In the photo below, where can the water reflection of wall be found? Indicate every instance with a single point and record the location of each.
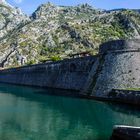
(24, 113)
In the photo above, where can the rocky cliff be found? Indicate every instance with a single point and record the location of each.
(57, 31)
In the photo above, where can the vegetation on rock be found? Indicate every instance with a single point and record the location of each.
(53, 32)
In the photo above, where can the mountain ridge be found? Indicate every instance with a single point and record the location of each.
(54, 32)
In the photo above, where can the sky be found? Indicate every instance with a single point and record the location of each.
(29, 6)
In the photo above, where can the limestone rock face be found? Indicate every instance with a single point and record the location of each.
(10, 18)
(58, 31)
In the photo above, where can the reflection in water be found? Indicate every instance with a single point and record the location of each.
(27, 115)
(125, 109)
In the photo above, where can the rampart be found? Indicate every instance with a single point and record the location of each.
(68, 74)
(117, 67)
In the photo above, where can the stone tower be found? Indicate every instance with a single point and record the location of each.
(117, 67)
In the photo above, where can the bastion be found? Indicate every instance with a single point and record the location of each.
(117, 67)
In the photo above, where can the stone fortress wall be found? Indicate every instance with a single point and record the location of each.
(68, 74)
(116, 67)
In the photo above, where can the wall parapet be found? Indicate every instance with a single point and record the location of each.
(120, 45)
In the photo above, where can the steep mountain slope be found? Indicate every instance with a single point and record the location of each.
(10, 17)
(54, 32)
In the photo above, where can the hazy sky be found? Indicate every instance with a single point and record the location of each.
(28, 6)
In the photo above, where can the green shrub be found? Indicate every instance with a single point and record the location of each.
(43, 59)
(55, 58)
(31, 62)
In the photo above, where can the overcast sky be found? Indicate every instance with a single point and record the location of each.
(28, 6)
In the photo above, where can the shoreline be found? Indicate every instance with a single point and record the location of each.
(76, 94)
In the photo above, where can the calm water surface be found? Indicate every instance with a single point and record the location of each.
(25, 114)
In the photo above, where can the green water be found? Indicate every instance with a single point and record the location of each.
(28, 114)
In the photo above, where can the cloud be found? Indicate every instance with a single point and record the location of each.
(18, 1)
